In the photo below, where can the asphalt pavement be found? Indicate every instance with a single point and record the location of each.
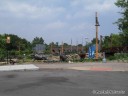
(63, 82)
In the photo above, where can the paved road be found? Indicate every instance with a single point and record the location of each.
(51, 82)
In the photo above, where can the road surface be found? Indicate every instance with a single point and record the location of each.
(64, 82)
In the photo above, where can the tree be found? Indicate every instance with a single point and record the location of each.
(106, 42)
(112, 41)
(123, 22)
(93, 41)
(115, 40)
(17, 46)
(2, 42)
(65, 45)
(37, 40)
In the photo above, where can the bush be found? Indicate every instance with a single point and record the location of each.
(121, 56)
(111, 58)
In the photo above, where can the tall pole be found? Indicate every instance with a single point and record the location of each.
(86, 44)
(8, 42)
(51, 48)
(97, 24)
(62, 48)
(82, 45)
(19, 48)
(101, 42)
(71, 46)
(77, 46)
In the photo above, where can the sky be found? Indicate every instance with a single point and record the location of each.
(58, 20)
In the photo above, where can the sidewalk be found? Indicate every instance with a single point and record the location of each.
(86, 66)
(95, 66)
(18, 67)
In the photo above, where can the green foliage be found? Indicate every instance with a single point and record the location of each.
(123, 22)
(2, 42)
(114, 40)
(16, 46)
(94, 41)
(119, 56)
(2, 55)
(48, 49)
(111, 58)
(37, 40)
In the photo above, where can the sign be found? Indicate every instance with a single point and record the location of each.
(8, 40)
(39, 48)
(92, 50)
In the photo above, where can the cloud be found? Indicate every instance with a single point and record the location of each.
(80, 9)
(107, 5)
(54, 26)
(19, 9)
(80, 27)
(56, 20)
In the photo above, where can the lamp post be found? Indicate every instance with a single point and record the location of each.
(8, 42)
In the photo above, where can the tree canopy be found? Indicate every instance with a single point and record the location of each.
(123, 22)
(37, 40)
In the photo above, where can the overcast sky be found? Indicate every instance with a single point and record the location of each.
(58, 20)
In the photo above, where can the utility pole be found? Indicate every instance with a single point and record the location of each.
(51, 48)
(97, 24)
(82, 45)
(71, 46)
(77, 46)
(101, 37)
(62, 48)
(86, 44)
(19, 48)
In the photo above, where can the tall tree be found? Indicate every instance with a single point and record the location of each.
(93, 41)
(123, 22)
(37, 40)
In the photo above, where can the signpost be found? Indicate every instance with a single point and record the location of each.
(8, 42)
